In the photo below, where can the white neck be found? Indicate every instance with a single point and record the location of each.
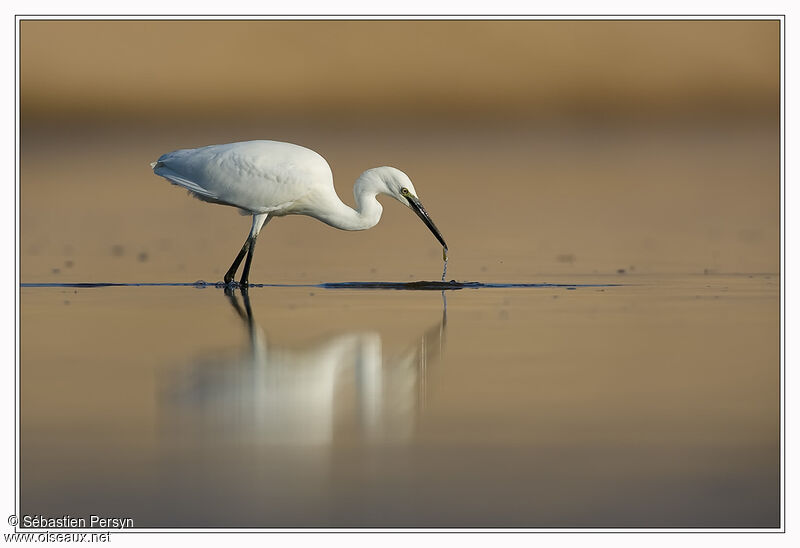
(367, 212)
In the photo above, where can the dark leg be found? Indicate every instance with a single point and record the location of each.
(243, 283)
(259, 220)
(237, 261)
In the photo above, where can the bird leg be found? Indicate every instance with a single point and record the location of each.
(259, 220)
(243, 283)
(237, 261)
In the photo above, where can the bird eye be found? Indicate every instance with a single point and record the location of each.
(404, 191)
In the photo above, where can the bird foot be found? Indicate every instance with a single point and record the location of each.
(244, 285)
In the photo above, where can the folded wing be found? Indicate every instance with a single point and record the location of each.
(255, 176)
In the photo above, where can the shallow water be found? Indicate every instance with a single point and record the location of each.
(587, 401)
(582, 370)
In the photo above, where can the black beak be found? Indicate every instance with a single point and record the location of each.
(419, 210)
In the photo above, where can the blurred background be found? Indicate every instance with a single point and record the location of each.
(540, 148)
(636, 160)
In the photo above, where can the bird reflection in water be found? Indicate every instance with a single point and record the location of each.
(275, 394)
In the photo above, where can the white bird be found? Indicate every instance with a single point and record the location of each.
(268, 179)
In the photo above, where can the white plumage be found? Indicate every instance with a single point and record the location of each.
(270, 178)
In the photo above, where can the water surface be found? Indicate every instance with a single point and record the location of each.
(649, 403)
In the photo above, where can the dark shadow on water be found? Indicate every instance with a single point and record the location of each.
(452, 285)
(444, 286)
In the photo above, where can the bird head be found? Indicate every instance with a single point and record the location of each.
(393, 182)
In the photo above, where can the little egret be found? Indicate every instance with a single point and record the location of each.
(268, 179)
